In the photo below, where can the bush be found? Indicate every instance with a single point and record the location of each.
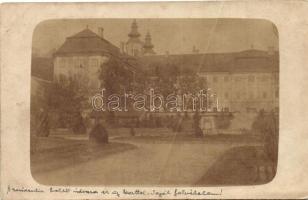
(78, 125)
(223, 121)
(98, 134)
(132, 131)
(42, 129)
(198, 132)
(266, 125)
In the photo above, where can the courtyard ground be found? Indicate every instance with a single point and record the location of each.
(173, 160)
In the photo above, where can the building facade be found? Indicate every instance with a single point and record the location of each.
(243, 91)
(82, 57)
(240, 81)
(237, 81)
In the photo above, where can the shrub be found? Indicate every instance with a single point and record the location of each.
(266, 125)
(223, 121)
(98, 134)
(78, 126)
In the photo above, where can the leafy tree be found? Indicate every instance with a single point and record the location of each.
(116, 79)
(66, 100)
(266, 125)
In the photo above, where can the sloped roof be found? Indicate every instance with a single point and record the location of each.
(245, 61)
(87, 41)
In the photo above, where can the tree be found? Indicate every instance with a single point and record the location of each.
(116, 79)
(65, 99)
(266, 125)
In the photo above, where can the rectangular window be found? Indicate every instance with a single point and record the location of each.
(215, 79)
(251, 95)
(84, 62)
(264, 95)
(251, 78)
(93, 62)
(76, 62)
(238, 95)
(237, 78)
(70, 61)
(62, 62)
(226, 95)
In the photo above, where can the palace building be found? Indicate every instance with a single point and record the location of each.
(82, 56)
(237, 81)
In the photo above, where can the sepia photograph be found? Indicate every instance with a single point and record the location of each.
(154, 100)
(164, 102)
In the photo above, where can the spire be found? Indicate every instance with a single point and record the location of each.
(134, 30)
(148, 41)
(148, 46)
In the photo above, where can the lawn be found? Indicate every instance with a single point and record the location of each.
(55, 153)
(238, 166)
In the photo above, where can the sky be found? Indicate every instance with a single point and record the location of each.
(177, 36)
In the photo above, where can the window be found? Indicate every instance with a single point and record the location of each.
(251, 78)
(62, 62)
(243, 95)
(93, 62)
(226, 95)
(76, 62)
(251, 95)
(215, 79)
(264, 95)
(264, 78)
(84, 62)
(70, 61)
(238, 95)
(237, 78)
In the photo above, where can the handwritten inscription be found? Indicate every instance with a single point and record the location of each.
(161, 193)
(23, 189)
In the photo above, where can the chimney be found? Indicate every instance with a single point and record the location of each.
(122, 47)
(101, 32)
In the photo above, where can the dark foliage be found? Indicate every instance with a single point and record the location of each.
(223, 121)
(98, 134)
(42, 129)
(78, 125)
(65, 99)
(266, 125)
(197, 130)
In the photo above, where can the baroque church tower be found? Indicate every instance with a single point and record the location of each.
(134, 45)
(148, 46)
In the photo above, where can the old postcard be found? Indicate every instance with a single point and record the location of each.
(153, 100)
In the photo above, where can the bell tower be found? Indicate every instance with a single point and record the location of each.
(134, 45)
(148, 46)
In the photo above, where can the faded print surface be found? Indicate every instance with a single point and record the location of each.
(187, 102)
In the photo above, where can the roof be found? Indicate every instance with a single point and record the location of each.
(87, 41)
(244, 61)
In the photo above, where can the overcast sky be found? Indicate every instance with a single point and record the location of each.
(174, 35)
